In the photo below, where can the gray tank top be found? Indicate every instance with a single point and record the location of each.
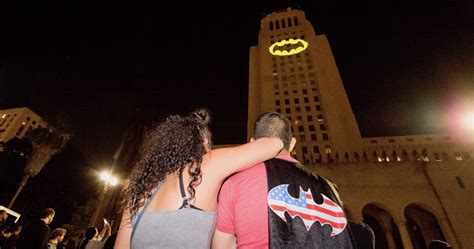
(187, 227)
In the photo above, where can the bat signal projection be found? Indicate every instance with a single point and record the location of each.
(288, 47)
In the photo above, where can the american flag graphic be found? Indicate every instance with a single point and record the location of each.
(280, 201)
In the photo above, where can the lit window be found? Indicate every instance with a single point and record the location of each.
(275, 73)
(320, 118)
(458, 156)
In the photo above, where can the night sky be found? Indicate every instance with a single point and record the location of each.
(109, 65)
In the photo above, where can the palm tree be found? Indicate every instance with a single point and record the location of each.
(46, 142)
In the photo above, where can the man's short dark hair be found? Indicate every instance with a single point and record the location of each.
(47, 212)
(273, 124)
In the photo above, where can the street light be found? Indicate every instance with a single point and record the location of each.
(107, 179)
(468, 121)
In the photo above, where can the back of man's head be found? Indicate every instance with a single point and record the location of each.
(46, 213)
(273, 124)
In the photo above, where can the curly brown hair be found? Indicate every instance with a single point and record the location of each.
(169, 147)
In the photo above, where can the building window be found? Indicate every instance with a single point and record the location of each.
(320, 118)
(287, 110)
(287, 101)
(278, 110)
(311, 128)
(277, 24)
(302, 138)
(312, 82)
(277, 102)
(316, 99)
(315, 149)
(458, 156)
(297, 101)
(322, 127)
(290, 24)
(300, 128)
(307, 108)
(466, 155)
(328, 149)
(306, 100)
(305, 91)
(313, 137)
(285, 93)
(295, 20)
(271, 25)
(325, 136)
(283, 23)
(391, 140)
(304, 149)
(298, 109)
(310, 118)
(437, 157)
(318, 108)
(460, 182)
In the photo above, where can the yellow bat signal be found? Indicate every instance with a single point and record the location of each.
(292, 51)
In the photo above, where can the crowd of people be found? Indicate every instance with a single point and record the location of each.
(38, 235)
(183, 194)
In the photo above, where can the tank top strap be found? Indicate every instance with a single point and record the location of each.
(145, 207)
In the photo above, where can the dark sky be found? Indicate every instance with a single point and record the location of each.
(405, 64)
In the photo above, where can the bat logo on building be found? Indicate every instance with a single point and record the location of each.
(328, 212)
(288, 47)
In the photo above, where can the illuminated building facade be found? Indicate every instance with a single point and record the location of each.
(409, 189)
(18, 122)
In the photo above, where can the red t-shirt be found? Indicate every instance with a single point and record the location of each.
(243, 208)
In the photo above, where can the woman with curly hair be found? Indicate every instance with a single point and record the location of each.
(172, 194)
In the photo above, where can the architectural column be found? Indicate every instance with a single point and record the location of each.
(448, 233)
(402, 228)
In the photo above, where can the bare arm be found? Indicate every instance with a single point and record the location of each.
(226, 161)
(125, 231)
(223, 240)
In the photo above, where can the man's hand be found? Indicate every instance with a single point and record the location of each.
(223, 241)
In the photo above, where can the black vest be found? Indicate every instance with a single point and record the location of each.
(303, 211)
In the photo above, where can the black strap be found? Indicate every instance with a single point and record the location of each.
(183, 193)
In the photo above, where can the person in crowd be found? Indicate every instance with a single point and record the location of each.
(13, 235)
(93, 239)
(172, 193)
(110, 242)
(3, 225)
(279, 203)
(36, 235)
(56, 237)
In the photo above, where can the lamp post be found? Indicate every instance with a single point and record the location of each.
(107, 179)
